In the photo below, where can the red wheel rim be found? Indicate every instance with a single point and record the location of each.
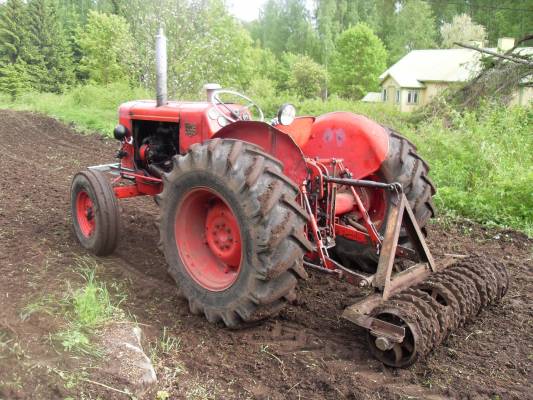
(375, 201)
(208, 239)
(85, 213)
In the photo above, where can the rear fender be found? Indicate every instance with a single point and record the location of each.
(272, 141)
(362, 143)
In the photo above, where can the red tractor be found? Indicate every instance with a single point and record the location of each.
(247, 207)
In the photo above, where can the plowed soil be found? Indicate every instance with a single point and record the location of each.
(307, 352)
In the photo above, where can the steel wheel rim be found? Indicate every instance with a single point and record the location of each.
(85, 213)
(208, 239)
(400, 354)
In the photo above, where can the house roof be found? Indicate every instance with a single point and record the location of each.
(438, 65)
(444, 65)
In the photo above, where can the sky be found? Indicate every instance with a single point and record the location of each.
(248, 10)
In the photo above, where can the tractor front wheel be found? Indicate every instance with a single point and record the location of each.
(95, 212)
(232, 232)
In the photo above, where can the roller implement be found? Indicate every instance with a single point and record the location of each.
(248, 207)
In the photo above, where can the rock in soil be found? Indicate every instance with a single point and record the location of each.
(126, 359)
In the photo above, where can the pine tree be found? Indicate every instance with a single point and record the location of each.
(12, 31)
(13, 46)
(50, 50)
(14, 79)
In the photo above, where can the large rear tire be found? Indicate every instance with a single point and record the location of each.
(232, 232)
(405, 166)
(95, 212)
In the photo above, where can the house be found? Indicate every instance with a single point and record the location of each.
(422, 74)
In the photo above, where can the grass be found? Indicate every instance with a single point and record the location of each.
(89, 108)
(482, 161)
(86, 309)
(165, 345)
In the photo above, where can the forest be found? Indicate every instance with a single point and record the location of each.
(336, 47)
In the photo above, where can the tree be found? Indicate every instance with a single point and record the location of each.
(216, 52)
(49, 47)
(107, 48)
(499, 17)
(461, 29)
(414, 28)
(12, 31)
(359, 59)
(307, 79)
(14, 79)
(285, 26)
(335, 16)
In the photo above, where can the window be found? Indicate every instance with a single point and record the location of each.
(412, 97)
(398, 96)
(384, 95)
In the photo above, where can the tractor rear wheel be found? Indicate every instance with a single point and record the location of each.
(95, 212)
(232, 232)
(402, 165)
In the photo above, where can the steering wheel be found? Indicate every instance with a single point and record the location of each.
(234, 115)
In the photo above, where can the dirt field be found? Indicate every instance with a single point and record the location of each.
(307, 352)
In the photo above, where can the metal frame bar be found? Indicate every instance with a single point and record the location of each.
(384, 282)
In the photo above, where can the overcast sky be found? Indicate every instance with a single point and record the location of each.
(248, 10)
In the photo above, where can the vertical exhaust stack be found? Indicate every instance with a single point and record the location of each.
(161, 68)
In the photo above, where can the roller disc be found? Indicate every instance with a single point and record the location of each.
(451, 285)
(490, 279)
(481, 285)
(470, 287)
(440, 312)
(426, 311)
(502, 279)
(425, 343)
(403, 354)
(505, 275)
(443, 296)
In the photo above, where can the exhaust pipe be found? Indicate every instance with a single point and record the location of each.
(161, 68)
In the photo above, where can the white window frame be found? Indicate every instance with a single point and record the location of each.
(398, 96)
(413, 96)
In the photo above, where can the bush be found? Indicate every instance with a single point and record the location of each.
(308, 78)
(483, 164)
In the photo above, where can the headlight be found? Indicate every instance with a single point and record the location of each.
(286, 114)
(222, 121)
(120, 132)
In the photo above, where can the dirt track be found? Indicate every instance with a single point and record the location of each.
(307, 352)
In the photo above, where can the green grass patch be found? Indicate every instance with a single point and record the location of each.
(85, 308)
(90, 108)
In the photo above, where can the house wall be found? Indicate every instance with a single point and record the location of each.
(433, 89)
(523, 96)
(405, 106)
(392, 86)
(425, 94)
